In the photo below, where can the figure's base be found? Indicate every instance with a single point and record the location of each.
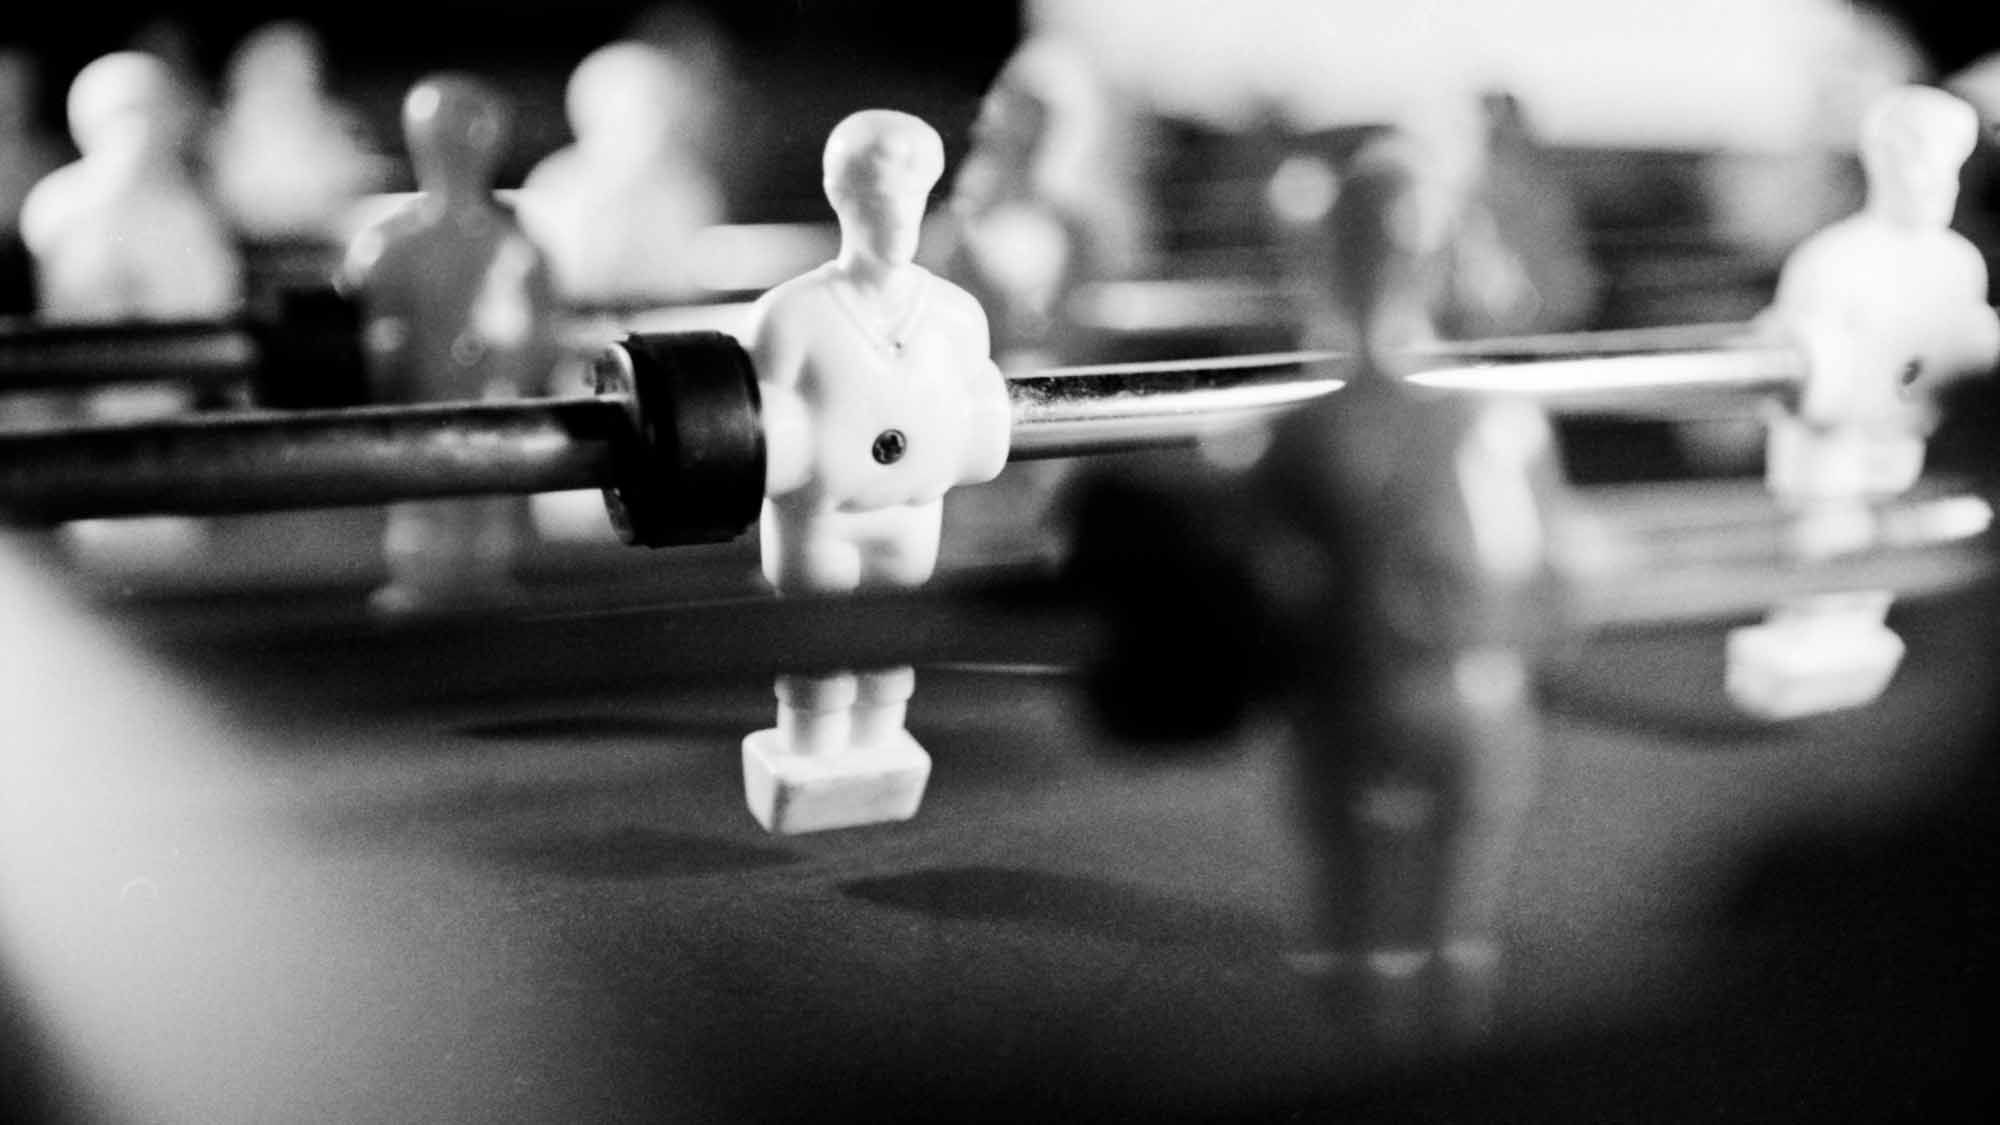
(794, 793)
(1789, 670)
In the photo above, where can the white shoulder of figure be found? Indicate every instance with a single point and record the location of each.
(552, 176)
(780, 325)
(50, 205)
(954, 299)
(373, 250)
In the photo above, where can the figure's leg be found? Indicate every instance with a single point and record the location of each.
(447, 554)
(1374, 811)
(1497, 778)
(904, 552)
(811, 772)
(815, 713)
(1830, 651)
(882, 704)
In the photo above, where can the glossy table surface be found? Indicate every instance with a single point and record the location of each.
(239, 884)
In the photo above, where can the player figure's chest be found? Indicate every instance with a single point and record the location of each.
(889, 414)
(908, 370)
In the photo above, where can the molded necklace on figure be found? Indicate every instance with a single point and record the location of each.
(892, 342)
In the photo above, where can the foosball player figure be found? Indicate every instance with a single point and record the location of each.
(618, 211)
(1889, 307)
(125, 232)
(457, 306)
(1406, 555)
(879, 395)
(1027, 226)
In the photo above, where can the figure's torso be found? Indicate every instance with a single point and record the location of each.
(890, 423)
(461, 301)
(621, 233)
(1904, 309)
(129, 247)
(1438, 513)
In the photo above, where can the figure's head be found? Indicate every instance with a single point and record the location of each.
(127, 99)
(1914, 140)
(1386, 227)
(880, 167)
(280, 60)
(628, 96)
(456, 128)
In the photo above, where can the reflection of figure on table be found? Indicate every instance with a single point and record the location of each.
(1888, 306)
(1432, 526)
(288, 163)
(617, 211)
(457, 304)
(879, 394)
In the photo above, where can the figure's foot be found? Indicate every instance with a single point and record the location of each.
(790, 793)
(1792, 667)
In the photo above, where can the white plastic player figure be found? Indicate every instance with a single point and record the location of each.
(1037, 210)
(288, 162)
(1888, 305)
(618, 210)
(125, 233)
(458, 305)
(880, 394)
(1027, 225)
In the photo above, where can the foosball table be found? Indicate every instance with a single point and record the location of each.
(1334, 756)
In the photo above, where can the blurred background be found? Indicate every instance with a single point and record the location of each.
(1679, 129)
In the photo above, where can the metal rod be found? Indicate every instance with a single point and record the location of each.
(1068, 411)
(217, 463)
(265, 461)
(40, 355)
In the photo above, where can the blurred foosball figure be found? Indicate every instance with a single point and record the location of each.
(289, 163)
(617, 212)
(1039, 209)
(458, 307)
(1511, 256)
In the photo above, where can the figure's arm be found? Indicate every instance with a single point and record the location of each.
(365, 275)
(1975, 340)
(1809, 312)
(778, 353)
(989, 423)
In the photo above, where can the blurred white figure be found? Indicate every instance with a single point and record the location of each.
(1037, 208)
(125, 232)
(1042, 205)
(880, 397)
(617, 211)
(122, 234)
(287, 161)
(1979, 84)
(713, 121)
(1764, 204)
(1888, 306)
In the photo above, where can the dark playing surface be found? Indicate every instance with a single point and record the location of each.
(238, 893)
